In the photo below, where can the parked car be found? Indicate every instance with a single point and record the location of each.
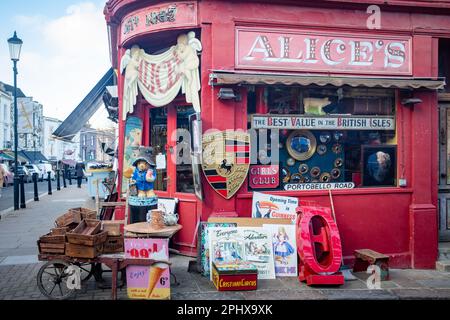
(22, 170)
(45, 168)
(9, 175)
(32, 168)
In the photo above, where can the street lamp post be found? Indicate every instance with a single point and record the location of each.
(15, 45)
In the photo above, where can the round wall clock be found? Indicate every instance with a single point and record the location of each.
(301, 144)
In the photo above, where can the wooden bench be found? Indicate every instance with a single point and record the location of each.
(366, 257)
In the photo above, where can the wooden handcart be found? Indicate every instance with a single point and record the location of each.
(53, 275)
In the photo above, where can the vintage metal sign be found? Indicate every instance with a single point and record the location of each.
(298, 50)
(159, 17)
(318, 186)
(264, 177)
(226, 160)
(323, 123)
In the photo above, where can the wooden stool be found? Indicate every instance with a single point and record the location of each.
(366, 257)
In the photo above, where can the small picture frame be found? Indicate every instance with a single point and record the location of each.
(379, 165)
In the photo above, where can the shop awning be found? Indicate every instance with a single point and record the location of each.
(219, 77)
(4, 156)
(34, 156)
(20, 157)
(85, 110)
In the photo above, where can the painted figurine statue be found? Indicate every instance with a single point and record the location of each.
(144, 174)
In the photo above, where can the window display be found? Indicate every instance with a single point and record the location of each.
(325, 134)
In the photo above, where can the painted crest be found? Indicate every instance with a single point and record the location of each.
(226, 160)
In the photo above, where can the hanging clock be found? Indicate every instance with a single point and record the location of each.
(301, 144)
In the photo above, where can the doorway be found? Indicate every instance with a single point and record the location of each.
(444, 172)
(169, 136)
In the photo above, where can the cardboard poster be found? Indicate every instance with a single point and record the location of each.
(203, 244)
(133, 139)
(148, 282)
(284, 246)
(242, 244)
(270, 206)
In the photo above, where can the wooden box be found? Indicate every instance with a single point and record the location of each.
(59, 231)
(235, 277)
(52, 238)
(113, 244)
(85, 213)
(81, 251)
(112, 227)
(87, 233)
(70, 218)
(51, 248)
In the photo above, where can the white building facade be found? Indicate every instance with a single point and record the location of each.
(57, 149)
(30, 124)
(6, 124)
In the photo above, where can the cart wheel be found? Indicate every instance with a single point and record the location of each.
(87, 270)
(51, 280)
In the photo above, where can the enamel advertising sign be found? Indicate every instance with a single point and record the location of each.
(301, 50)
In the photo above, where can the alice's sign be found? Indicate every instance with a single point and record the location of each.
(318, 186)
(159, 17)
(295, 122)
(298, 50)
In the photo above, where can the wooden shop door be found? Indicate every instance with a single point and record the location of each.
(444, 172)
(169, 136)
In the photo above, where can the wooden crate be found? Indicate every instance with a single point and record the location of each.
(87, 233)
(113, 244)
(59, 231)
(85, 213)
(112, 227)
(69, 218)
(81, 251)
(51, 248)
(50, 238)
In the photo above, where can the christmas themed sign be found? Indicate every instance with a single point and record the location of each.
(148, 282)
(323, 122)
(271, 206)
(301, 50)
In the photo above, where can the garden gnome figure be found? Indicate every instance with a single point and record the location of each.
(144, 174)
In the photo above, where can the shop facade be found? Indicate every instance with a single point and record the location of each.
(334, 103)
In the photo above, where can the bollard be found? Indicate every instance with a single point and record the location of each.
(16, 192)
(35, 180)
(70, 178)
(58, 183)
(22, 193)
(49, 183)
(64, 178)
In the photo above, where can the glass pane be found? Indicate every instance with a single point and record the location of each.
(185, 181)
(448, 146)
(158, 120)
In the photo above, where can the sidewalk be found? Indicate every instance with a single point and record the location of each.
(20, 230)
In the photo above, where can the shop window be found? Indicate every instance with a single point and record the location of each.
(185, 181)
(158, 136)
(444, 63)
(323, 135)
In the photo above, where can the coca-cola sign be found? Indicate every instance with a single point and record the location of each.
(311, 51)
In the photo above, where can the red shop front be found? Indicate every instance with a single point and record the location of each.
(339, 103)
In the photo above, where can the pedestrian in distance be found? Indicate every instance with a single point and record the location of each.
(80, 173)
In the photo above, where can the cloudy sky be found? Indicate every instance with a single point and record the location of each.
(65, 51)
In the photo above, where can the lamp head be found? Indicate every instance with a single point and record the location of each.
(15, 45)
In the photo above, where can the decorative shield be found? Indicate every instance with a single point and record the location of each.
(226, 160)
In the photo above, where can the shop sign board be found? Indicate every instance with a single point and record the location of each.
(335, 122)
(148, 282)
(159, 17)
(271, 206)
(318, 186)
(309, 50)
(264, 177)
